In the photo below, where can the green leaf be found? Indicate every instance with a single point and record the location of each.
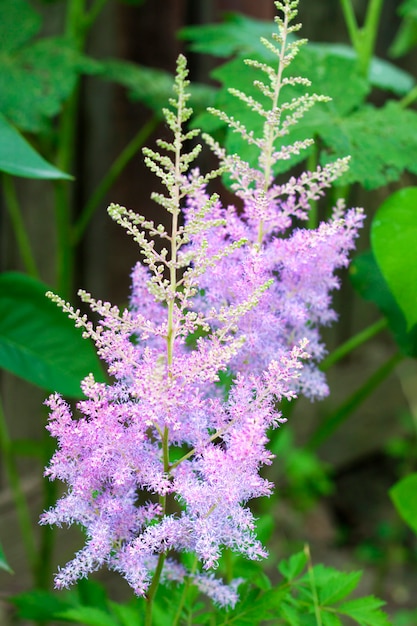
(331, 74)
(330, 619)
(3, 562)
(37, 340)
(290, 614)
(338, 586)
(382, 73)
(88, 616)
(151, 86)
(127, 614)
(19, 22)
(404, 496)
(18, 158)
(367, 279)
(381, 141)
(239, 34)
(39, 605)
(92, 593)
(393, 240)
(366, 611)
(36, 78)
(293, 567)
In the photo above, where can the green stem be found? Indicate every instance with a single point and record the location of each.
(269, 127)
(15, 214)
(153, 588)
(333, 421)
(184, 594)
(78, 23)
(313, 587)
(94, 12)
(22, 509)
(363, 39)
(409, 98)
(312, 162)
(350, 21)
(64, 254)
(351, 344)
(371, 28)
(114, 172)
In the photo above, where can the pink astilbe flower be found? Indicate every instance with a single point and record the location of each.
(159, 461)
(301, 264)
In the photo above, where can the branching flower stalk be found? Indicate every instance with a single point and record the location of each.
(160, 461)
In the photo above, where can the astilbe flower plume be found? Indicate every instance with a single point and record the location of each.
(158, 461)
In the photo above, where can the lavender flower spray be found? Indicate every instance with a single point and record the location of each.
(159, 462)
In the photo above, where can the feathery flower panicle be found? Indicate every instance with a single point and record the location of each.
(301, 263)
(158, 462)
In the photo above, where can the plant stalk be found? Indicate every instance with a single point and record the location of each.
(113, 173)
(22, 509)
(335, 419)
(351, 344)
(363, 39)
(16, 218)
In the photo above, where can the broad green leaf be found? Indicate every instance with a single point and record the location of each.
(127, 614)
(382, 142)
(382, 73)
(404, 496)
(3, 562)
(238, 34)
(340, 585)
(18, 158)
(366, 611)
(408, 8)
(19, 22)
(329, 619)
(393, 240)
(88, 616)
(151, 86)
(37, 340)
(290, 614)
(367, 279)
(293, 567)
(92, 593)
(37, 78)
(39, 606)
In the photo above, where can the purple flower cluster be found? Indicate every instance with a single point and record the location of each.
(161, 461)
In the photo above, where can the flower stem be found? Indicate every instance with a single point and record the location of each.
(352, 343)
(15, 214)
(363, 39)
(269, 128)
(153, 588)
(111, 176)
(313, 587)
(22, 509)
(184, 594)
(335, 419)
